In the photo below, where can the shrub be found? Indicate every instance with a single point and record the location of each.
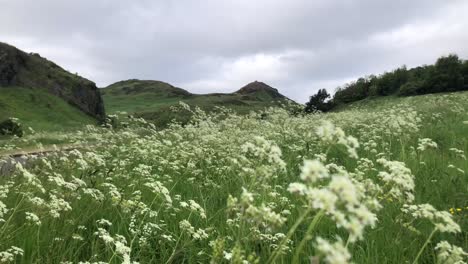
(11, 127)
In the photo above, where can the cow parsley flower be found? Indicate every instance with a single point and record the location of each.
(57, 205)
(442, 220)
(426, 143)
(449, 254)
(332, 253)
(10, 254)
(33, 218)
(399, 182)
(195, 207)
(3, 210)
(313, 171)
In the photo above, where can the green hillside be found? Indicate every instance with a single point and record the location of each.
(153, 99)
(30, 70)
(40, 110)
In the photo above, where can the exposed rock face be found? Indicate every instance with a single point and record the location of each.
(18, 68)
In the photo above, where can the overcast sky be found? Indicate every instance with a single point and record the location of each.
(297, 46)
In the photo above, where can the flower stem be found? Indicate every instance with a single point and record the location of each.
(288, 236)
(424, 246)
(306, 238)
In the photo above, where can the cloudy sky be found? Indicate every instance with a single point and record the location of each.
(297, 46)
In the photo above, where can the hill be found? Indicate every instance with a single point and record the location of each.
(41, 110)
(154, 99)
(30, 70)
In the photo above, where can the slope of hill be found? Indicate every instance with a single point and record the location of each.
(20, 69)
(40, 110)
(153, 99)
(135, 95)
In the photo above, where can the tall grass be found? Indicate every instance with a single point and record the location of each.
(268, 187)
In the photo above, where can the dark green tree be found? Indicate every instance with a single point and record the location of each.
(318, 102)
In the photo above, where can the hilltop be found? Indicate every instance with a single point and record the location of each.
(153, 99)
(260, 91)
(40, 84)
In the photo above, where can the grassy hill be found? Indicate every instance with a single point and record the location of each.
(40, 110)
(153, 99)
(30, 70)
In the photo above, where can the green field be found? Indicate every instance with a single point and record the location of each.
(379, 181)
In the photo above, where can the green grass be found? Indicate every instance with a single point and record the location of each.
(40, 110)
(153, 100)
(130, 174)
(50, 118)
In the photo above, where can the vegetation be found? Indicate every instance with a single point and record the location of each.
(318, 102)
(40, 110)
(380, 181)
(448, 74)
(11, 127)
(30, 70)
(153, 100)
(45, 119)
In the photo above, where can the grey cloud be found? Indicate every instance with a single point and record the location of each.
(297, 46)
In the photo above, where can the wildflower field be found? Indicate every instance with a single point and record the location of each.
(381, 181)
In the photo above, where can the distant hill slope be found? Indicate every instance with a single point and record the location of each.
(20, 69)
(259, 91)
(40, 110)
(153, 99)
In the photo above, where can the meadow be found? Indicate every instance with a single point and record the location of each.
(380, 181)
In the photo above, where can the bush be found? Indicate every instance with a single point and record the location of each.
(114, 122)
(11, 127)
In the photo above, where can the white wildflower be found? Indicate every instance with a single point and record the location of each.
(449, 254)
(332, 253)
(33, 218)
(313, 171)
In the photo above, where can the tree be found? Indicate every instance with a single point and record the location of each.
(465, 75)
(411, 88)
(318, 102)
(389, 82)
(446, 76)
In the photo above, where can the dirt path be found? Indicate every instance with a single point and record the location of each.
(35, 150)
(8, 159)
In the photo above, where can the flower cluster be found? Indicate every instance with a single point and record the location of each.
(449, 254)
